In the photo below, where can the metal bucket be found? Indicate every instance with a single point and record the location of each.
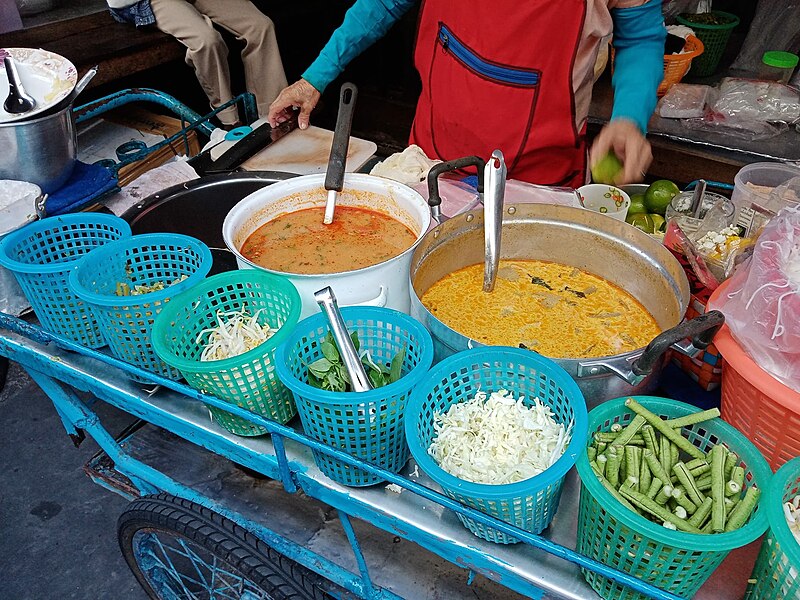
(40, 151)
(611, 249)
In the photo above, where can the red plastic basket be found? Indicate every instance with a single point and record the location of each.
(761, 407)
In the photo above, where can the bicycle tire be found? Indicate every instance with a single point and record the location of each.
(264, 572)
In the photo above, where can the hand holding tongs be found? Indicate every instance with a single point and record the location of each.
(495, 187)
(334, 177)
(358, 376)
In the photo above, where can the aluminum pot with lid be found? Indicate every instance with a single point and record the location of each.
(606, 247)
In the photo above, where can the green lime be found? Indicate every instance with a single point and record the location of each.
(606, 169)
(642, 221)
(659, 223)
(637, 205)
(659, 195)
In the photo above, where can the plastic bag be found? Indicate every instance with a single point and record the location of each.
(673, 8)
(762, 302)
(753, 100)
(684, 101)
(775, 26)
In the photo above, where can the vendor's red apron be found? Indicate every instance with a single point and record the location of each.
(498, 74)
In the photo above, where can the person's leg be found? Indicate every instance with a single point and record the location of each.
(206, 51)
(263, 68)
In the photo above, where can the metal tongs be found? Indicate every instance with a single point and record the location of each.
(334, 177)
(358, 376)
(494, 176)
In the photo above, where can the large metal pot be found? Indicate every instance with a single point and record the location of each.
(383, 284)
(40, 151)
(598, 244)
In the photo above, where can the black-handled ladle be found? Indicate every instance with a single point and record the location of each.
(18, 100)
(334, 177)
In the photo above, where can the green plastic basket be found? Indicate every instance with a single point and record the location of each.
(247, 380)
(775, 576)
(675, 561)
(714, 38)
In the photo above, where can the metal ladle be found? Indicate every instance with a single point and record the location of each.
(334, 177)
(358, 376)
(494, 176)
(18, 100)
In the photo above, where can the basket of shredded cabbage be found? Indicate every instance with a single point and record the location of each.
(498, 429)
(222, 335)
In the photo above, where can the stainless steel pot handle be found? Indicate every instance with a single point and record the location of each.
(434, 199)
(633, 369)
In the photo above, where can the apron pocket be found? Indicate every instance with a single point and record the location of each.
(501, 102)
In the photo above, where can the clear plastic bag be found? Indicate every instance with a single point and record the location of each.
(775, 26)
(684, 101)
(753, 100)
(762, 302)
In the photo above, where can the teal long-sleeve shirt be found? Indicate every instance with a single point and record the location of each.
(638, 41)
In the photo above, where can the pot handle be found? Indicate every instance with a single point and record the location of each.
(434, 199)
(701, 330)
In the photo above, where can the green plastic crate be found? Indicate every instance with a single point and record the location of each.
(714, 38)
(247, 380)
(775, 576)
(675, 561)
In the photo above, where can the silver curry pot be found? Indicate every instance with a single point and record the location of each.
(590, 241)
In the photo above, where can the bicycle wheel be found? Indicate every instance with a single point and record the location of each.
(178, 549)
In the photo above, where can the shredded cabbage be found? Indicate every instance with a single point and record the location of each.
(236, 333)
(496, 439)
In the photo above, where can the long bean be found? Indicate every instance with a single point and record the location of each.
(655, 486)
(649, 437)
(645, 476)
(646, 504)
(731, 460)
(658, 423)
(680, 497)
(601, 462)
(685, 477)
(664, 494)
(693, 418)
(718, 488)
(612, 466)
(632, 429)
(742, 511)
(655, 466)
(632, 465)
(701, 514)
(665, 454)
(613, 491)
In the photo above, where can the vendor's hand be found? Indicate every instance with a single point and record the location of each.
(300, 94)
(625, 138)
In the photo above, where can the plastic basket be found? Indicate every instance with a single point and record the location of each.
(677, 65)
(675, 561)
(529, 504)
(249, 379)
(41, 256)
(714, 39)
(761, 407)
(126, 321)
(775, 576)
(368, 425)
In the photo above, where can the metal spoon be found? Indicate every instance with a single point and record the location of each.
(334, 177)
(697, 198)
(495, 187)
(83, 82)
(358, 376)
(18, 100)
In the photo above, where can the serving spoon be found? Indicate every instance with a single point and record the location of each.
(334, 177)
(494, 177)
(18, 100)
(358, 376)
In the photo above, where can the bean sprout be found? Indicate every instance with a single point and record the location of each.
(236, 333)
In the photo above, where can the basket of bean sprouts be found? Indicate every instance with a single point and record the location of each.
(222, 334)
(667, 491)
(776, 575)
(498, 428)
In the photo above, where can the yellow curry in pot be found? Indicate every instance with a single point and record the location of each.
(557, 310)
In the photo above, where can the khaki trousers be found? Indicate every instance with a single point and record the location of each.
(191, 23)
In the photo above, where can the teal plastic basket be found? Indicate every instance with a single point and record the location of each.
(42, 255)
(249, 379)
(126, 321)
(530, 504)
(776, 574)
(675, 561)
(367, 425)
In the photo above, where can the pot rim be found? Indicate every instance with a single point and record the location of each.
(38, 119)
(317, 179)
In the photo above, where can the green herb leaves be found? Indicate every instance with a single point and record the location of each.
(329, 372)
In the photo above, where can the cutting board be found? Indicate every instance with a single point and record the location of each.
(305, 151)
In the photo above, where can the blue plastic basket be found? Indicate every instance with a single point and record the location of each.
(368, 425)
(126, 321)
(41, 256)
(529, 504)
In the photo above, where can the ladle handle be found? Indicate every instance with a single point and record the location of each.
(334, 177)
(358, 376)
(434, 199)
(495, 181)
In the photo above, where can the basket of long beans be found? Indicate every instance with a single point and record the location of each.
(667, 492)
